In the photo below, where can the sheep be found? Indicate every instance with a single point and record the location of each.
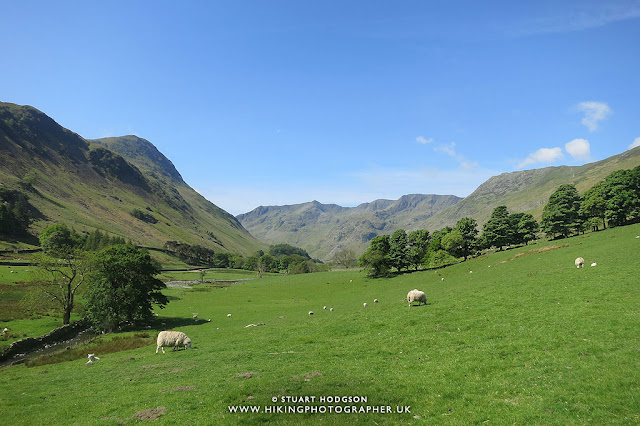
(228, 315)
(375, 300)
(331, 309)
(324, 307)
(92, 358)
(173, 338)
(310, 312)
(365, 304)
(594, 264)
(417, 295)
(579, 262)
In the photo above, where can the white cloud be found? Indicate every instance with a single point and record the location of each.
(635, 143)
(543, 155)
(579, 149)
(450, 150)
(423, 140)
(594, 112)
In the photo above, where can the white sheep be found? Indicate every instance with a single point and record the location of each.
(416, 295)
(92, 358)
(324, 307)
(375, 300)
(594, 264)
(331, 309)
(365, 304)
(174, 339)
(310, 312)
(228, 315)
(579, 262)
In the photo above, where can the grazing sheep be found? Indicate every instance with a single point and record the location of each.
(579, 262)
(365, 304)
(6, 330)
(324, 307)
(331, 309)
(92, 358)
(173, 338)
(228, 315)
(416, 295)
(310, 312)
(375, 300)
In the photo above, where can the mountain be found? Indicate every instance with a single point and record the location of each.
(91, 184)
(324, 229)
(529, 190)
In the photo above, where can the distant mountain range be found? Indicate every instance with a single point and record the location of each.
(323, 229)
(97, 184)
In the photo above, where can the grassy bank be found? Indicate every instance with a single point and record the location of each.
(519, 336)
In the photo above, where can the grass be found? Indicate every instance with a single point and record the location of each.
(506, 338)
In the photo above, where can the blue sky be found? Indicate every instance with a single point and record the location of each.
(282, 102)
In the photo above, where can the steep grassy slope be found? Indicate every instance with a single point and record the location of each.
(324, 229)
(526, 338)
(98, 184)
(529, 190)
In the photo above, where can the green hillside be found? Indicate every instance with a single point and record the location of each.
(529, 190)
(324, 229)
(515, 337)
(97, 184)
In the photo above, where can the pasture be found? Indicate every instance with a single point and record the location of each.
(519, 336)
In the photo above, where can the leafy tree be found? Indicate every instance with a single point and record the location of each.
(123, 287)
(453, 243)
(58, 238)
(345, 258)
(497, 232)
(279, 250)
(524, 227)
(468, 229)
(399, 250)
(621, 199)
(594, 205)
(375, 260)
(418, 246)
(15, 212)
(61, 277)
(562, 212)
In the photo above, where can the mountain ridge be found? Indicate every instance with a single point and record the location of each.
(89, 186)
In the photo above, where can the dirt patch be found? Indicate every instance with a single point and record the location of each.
(308, 376)
(150, 414)
(180, 389)
(247, 375)
(539, 250)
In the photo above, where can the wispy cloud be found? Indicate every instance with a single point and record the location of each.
(543, 155)
(635, 143)
(594, 113)
(450, 150)
(588, 16)
(423, 140)
(579, 149)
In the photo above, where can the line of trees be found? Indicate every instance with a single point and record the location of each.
(614, 201)
(16, 213)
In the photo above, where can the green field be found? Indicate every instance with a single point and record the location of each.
(514, 337)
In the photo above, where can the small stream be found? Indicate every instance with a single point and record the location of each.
(82, 337)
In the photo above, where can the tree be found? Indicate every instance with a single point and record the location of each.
(399, 250)
(58, 238)
(453, 243)
(524, 227)
(418, 246)
(61, 277)
(345, 258)
(123, 287)
(497, 232)
(621, 198)
(594, 205)
(562, 212)
(375, 260)
(468, 229)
